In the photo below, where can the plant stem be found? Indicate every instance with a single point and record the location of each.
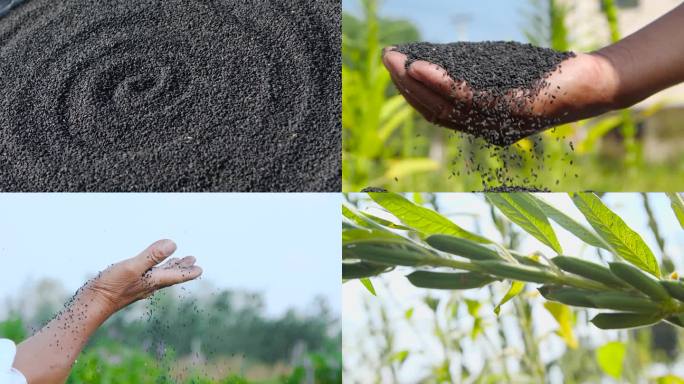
(563, 279)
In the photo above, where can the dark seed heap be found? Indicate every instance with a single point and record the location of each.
(505, 78)
(493, 70)
(174, 95)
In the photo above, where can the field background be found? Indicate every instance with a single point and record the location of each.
(386, 144)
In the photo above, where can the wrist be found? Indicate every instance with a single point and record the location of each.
(95, 302)
(608, 90)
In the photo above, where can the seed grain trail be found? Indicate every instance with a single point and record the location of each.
(174, 95)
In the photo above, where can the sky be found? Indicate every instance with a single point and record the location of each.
(284, 245)
(488, 19)
(394, 291)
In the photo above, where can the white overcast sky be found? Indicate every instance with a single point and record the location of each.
(284, 245)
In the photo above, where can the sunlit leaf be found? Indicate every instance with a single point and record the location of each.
(570, 224)
(407, 167)
(386, 223)
(610, 358)
(422, 219)
(473, 307)
(597, 131)
(624, 241)
(369, 285)
(366, 234)
(513, 291)
(522, 210)
(400, 356)
(677, 206)
(474, 311)
(669, 379)
(566, 319)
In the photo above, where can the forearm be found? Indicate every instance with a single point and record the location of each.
(649, 60)
(47, 356)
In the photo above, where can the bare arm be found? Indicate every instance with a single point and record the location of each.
(47, 356)
(649, 60)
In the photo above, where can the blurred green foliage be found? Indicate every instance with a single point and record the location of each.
(176, 337)
(386, 144)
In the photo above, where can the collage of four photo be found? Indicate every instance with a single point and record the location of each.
(341, 191)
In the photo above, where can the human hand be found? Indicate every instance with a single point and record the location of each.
(584, 86)
(139, 277)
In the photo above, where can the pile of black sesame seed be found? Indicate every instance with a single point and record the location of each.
(174, 95)
(494, 71)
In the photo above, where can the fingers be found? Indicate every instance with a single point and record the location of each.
(153, 255)
(430, 104)
(438, 80)
(175, 272)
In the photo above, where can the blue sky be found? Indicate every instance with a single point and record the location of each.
(489, 19)
(284, 245)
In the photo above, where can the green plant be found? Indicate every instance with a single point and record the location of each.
(630, 291)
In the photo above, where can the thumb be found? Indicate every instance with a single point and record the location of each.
(153, 255)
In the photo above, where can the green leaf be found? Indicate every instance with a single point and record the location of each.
(571, 225)
(400, 356)
(473, 307)
(670, 379)
(522, 210)
(385, 223)
(611, 357)
(566, 319)
(677, 206)
(369, 285)
(513, 291)
(366, 234)
(625, 243)
(407, 167)
(422, 219)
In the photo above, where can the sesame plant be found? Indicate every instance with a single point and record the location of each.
(630, 289)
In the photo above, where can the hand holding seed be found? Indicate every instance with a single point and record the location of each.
(507, 107)
(139, 277)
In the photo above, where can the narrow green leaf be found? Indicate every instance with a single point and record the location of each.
(571, 225)
(677, 206)
(523, 211)
(449, 280)
(513, 291)
(369, 285)
(610, 358)
(422, 219)
(624, 241)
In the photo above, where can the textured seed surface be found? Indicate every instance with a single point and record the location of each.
(174, 95)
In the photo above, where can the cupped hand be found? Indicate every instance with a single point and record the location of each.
(139, 277)
(584, 86)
